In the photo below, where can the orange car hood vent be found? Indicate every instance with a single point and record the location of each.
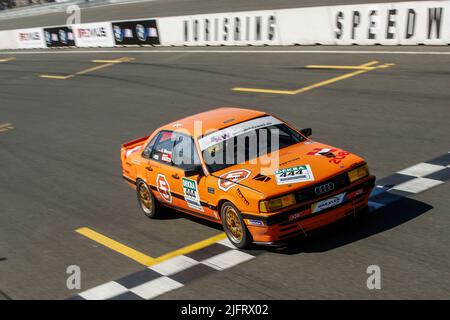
(261, 177)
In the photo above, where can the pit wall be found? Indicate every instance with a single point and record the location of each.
(400, 23)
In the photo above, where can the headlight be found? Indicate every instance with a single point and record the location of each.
(358, 173)
(276, 204)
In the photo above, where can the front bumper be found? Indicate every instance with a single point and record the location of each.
(301, 219)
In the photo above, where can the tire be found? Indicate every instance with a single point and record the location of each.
(234, 226)
(146, 200)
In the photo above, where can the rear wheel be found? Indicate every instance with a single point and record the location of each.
(146, 200)
(234, 226)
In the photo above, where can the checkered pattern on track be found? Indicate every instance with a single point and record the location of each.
(410, 181)
(170, 274)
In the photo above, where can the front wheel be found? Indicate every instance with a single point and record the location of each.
(234, 226)
(146, 200)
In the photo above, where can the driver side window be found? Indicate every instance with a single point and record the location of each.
(162, 150)
(184, 153)
(173, 148)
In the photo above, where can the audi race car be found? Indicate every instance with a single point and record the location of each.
(255, 174)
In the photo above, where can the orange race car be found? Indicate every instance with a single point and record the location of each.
(263, 180)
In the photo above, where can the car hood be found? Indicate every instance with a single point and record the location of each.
(294, 167)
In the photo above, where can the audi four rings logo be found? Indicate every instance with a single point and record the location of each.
(324, 188)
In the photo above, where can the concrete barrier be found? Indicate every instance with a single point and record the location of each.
(400, 23)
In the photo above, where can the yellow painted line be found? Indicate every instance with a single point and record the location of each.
(56, 77)
(5, 127)
(120, 60)
(7, 59)
(116, 246)
(193, 247)
(106, 61)
(108, 64)
(94, 68)
(366, 67)
(313, 66)
(141, 257)
(336, 79)
(264, 90)
(368, 64)
(386, 65)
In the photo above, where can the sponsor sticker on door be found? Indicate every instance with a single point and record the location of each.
(191, 195)
(163, 188)
(295, 174)
(327, 203)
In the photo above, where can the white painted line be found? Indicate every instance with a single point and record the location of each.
(417, 185)
(421, 169)
(226, 242)
(227, 259)
(156, 287)
(104, 291)
(174, 265)
(229, 52)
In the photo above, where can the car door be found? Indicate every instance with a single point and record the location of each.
(190, 185)
(159, 169)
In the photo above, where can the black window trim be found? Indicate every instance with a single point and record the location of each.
(148, 144)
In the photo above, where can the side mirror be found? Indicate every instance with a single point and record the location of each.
(194, 171)
(306, 132)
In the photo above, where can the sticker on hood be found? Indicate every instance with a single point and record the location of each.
(327, 152)
(295, 174)
(229, 179)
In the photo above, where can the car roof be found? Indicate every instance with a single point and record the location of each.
(212, 120)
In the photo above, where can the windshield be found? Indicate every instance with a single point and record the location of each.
(246, 141)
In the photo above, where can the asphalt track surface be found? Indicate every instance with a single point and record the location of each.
(60, 167)
(164, 8)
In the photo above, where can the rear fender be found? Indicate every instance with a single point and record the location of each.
(126, 151)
